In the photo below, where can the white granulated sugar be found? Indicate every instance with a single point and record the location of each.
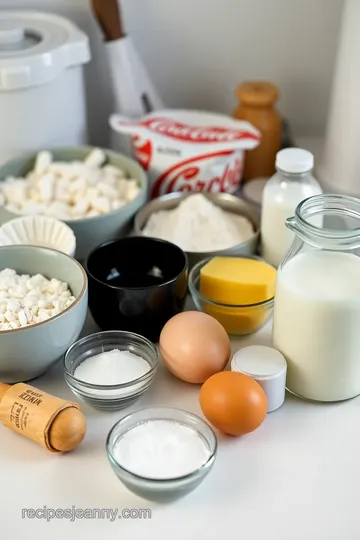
(198, 225)
(111, 368)
(161, 449)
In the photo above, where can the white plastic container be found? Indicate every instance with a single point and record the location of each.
(42, 94)
(268, 367)
(291, 184)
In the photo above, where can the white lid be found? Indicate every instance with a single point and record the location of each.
(294, 160)
(36, 47)
(258, 361)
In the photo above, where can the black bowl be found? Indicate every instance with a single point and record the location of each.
(136, 284)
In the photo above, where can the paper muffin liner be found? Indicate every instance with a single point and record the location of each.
(39, 231)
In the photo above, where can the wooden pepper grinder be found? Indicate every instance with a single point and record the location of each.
(257, 106)
(56, 424)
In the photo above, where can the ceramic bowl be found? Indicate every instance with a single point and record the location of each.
(161, 490)
(227, 202)
(136, 284)
(89, 232)
(39, 231)
(238, 320)
(116, 396)
(28, 352)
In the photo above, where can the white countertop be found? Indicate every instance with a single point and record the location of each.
(295, 478)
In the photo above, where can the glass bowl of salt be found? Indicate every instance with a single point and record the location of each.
(110, 370)
(161, 453)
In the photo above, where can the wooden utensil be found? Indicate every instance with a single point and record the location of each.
(108, 15)
(133, 90)
(56, 424)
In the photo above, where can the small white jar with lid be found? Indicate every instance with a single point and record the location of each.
(292, 183)
(268, 367)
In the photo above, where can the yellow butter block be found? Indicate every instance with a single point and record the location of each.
(237, 280)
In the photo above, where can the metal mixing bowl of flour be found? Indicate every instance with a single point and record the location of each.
(227, 202)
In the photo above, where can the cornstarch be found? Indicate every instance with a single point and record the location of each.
(198, 225)
(161, 449)
(112, 367)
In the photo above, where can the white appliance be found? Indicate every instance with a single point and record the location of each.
(42, 91)
(339, 169)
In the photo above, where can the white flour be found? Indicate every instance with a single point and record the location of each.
(199, 225)
(161, 449)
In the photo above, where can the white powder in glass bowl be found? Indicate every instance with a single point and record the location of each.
(198, 225)
(161, 449)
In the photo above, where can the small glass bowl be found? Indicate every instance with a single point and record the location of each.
(117, 396)
(161, 490)
(238, 320)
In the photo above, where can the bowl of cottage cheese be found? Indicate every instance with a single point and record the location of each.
(95, 192)
(43, 305)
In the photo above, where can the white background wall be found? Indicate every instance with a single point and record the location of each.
(198, 50)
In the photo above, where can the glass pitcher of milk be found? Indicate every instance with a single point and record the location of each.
(317, 300)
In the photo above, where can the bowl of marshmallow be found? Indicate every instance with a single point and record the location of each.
(95, 192)
(43, 305)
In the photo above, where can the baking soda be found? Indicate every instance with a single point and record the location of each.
(161, 449)
(111, 368)
(198, 225)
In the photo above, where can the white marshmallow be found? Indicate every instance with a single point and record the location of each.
(22, 318)
(101, 204)
(69, 190)
(114, 171)
(95, 159)
(37, 299)
(47, 187)
(42, 162)
(81, 207)
(106, 190)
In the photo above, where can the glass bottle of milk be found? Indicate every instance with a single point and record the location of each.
(317, 301)
(292, 183)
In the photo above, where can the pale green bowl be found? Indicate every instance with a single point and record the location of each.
(28, 352)
(89, 232)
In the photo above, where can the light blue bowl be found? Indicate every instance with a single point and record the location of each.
(89, 232)
(26, 353)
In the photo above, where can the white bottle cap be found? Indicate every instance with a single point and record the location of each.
(294, 160)
(268, 367)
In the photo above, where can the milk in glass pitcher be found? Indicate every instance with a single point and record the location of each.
(317, 301)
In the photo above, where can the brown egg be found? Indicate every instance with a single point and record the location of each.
(233, 402)
(194, 346)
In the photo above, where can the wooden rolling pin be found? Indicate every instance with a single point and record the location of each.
(56, 424)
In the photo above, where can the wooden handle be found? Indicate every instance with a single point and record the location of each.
(108, 15)
(3, 389)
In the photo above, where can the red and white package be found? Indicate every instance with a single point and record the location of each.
(189, 150)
